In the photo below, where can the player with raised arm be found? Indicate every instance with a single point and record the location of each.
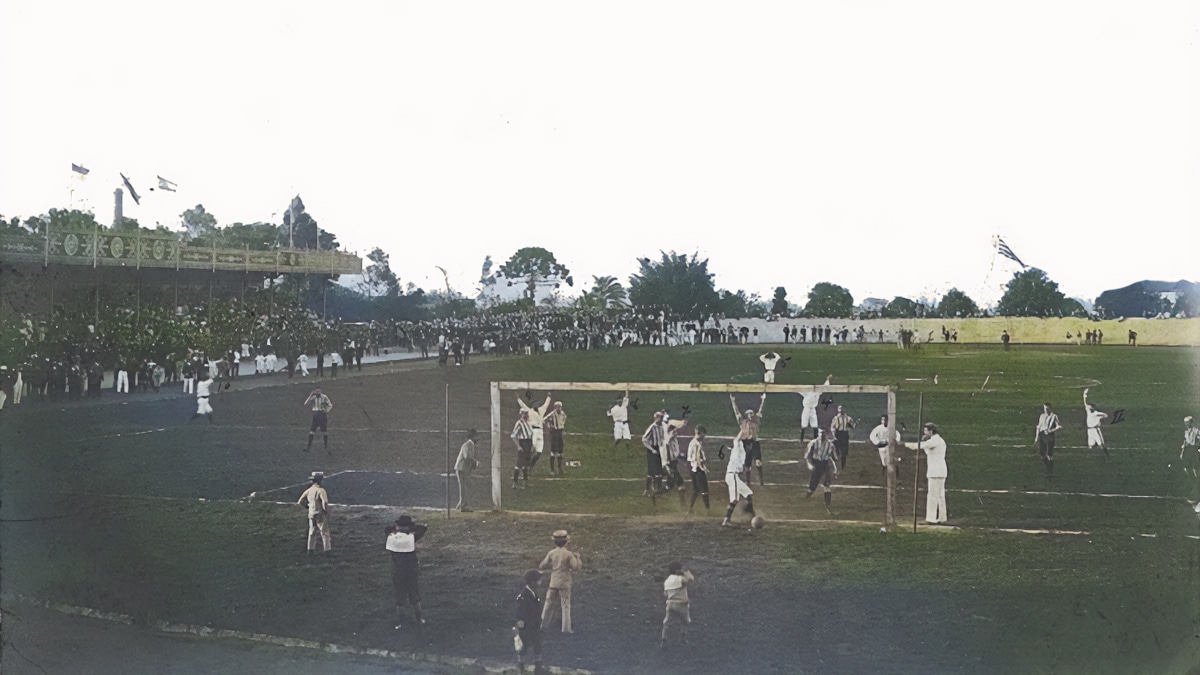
(738, 489)
(748, 424)
(1095, 437)
(536, 417)
(619, 412)
(879, 438)
(808, 410)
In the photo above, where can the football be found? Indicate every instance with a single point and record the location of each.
(758, 522)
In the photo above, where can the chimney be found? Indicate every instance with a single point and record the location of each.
(118, 210)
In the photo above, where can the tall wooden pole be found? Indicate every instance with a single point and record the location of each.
(449, 468)
(889, 518)
(497, 479)
(917, 463)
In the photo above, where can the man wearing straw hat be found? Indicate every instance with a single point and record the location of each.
(562, 564)
(318, 513)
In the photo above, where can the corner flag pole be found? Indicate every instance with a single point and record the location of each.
(917, 463)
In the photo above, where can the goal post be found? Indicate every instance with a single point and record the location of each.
(499, 429)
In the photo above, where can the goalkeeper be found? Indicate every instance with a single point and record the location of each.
(748, 424)
(738, 489)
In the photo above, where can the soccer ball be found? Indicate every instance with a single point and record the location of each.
(758, 522)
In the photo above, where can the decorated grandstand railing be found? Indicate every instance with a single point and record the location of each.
(143, 249)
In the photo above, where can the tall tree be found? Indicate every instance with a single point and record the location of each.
(198, 222)
(1031, 293)
(378, 278)
(679, 282)
(955, 303)
(535, 264)
(829, 300)
(779, 302)
(608, 292)
(900, 308)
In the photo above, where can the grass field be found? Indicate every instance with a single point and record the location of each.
(121, 506)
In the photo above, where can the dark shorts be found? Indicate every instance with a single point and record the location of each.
(653, 463)
(753, 452)
(700, 482)
(524, 453)
(1045, 443)
(822, 474)
(405, 587)
(320, 421)
(531, 638)
(841, 441)
(556, 441)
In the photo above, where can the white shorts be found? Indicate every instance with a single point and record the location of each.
(202, 406)
(1095, 437)
(621, 431)
(737, 487)
(538, 441)
(769, 376)
(808, 418)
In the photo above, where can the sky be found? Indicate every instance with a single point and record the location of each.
(880, 146)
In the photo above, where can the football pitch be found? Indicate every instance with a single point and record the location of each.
(123, 506)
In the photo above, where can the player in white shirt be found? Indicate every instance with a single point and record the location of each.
(879, 438)
(699, 467)
(738, 489)
(619, 413)
(808, 411)
(1047, 425)
(1094, 436)
(770, 361)
(203, 387)
(1191, 439)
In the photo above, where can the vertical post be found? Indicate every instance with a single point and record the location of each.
(889, 518)
(497, 479)
(449, 466)
(917, 463)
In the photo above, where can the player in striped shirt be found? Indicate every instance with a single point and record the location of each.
(320, 406)
(821, 458)
(653, 440)
(522, 435)
(1047, 425)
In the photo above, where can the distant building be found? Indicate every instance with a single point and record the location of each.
(503, 289)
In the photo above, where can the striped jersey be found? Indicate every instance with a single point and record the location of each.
(523, 430)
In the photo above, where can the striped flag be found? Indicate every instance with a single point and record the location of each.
(164, 184)
(132, 193)
(80, 170)
(1003, 249)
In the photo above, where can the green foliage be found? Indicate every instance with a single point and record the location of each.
(1031, 293)
(198, 223)
(676, 281)
(607, 292)
(900, 308)
(955, 303)
(534, 264)
(829, 301)
(379, 278)
(779, 303)
(1130, 301)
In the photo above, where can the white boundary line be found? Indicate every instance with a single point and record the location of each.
(281, 641)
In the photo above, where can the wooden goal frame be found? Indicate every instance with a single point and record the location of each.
(889, 390)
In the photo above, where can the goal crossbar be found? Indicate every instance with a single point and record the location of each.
(760, 388)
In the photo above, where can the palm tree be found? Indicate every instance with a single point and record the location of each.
(607, 292)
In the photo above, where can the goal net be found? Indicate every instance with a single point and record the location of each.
(601, 472)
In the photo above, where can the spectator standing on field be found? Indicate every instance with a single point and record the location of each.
(935, 473)
(402, 538)
(463, 466)
(675, 588)
(529, 622)
(318, 514)
(563, 564)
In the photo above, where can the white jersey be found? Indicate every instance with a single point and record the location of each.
(935, 451)
(202, 388)
(620, 413)
(737, 458)
(401, 542)
(769, 360)
(811, 400)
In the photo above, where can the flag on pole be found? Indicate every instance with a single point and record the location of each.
(1003, 249)
(132, 193)
(80, 170)
(164, 184)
